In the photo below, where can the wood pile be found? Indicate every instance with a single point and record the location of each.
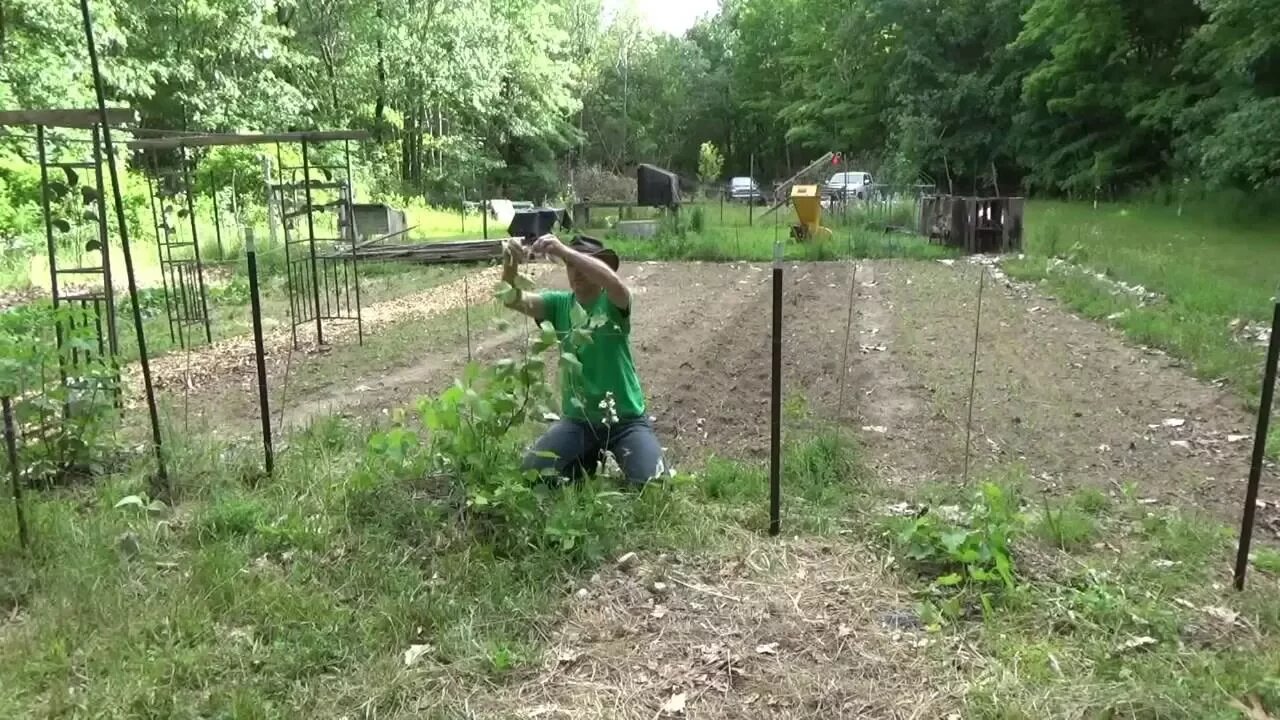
(431, 253)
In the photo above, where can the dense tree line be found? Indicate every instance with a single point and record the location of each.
(1058, 96)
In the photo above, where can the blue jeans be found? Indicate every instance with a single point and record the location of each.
(578, 447)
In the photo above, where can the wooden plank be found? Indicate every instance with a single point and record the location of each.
(785, 188)
(225, 139)
(67, 118)
(441, 252)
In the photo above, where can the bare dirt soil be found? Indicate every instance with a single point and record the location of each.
(1063, 398)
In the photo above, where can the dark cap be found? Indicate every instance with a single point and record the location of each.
(588, 245)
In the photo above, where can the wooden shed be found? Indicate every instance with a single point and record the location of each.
(973, 224)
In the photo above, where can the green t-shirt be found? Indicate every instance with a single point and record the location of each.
(606, 360)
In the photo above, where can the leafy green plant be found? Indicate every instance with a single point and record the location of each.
(697, 219)
(468, 443)
(971, 550)
(62, 392)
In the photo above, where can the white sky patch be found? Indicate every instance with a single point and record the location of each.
(669, 16)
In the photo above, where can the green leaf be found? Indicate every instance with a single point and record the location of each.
(577, 316)
(131, 501)
(525, 283)
(953, 540)
(949, 580)
(572, 361)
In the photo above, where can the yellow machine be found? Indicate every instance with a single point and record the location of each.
(808, 204)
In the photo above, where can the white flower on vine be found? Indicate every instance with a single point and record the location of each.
(610, 407)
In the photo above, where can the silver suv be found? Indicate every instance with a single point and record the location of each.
(848, 185)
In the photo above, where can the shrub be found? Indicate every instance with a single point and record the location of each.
(62, 423)
(600, 185)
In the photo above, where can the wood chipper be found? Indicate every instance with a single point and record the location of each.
(807, 201)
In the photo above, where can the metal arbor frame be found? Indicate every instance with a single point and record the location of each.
(186, 296)
(321, 286)
(57, 196)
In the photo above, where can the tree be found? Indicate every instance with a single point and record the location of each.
(710, 163)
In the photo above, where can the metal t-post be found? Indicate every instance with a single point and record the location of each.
(775, 405)
(264, 407)
(217, 218)
(1259, 449)
(157, 441)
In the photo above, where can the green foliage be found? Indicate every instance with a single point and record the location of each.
(710, 163)
(1066, 528)
(973, 551)
(63, 424)
(468, 441)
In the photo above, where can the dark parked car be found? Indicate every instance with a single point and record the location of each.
(745, 189)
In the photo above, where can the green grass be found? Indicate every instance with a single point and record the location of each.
(1129, 629)
(743, 235)
(1206, 275)
(298, 594)
(1117, 611)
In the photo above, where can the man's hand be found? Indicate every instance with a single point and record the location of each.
(512, 256)
(513, 253)
(550, 246)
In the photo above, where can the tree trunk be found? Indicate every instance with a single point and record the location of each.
(327, 56)
(417, 145)
(380, 105)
